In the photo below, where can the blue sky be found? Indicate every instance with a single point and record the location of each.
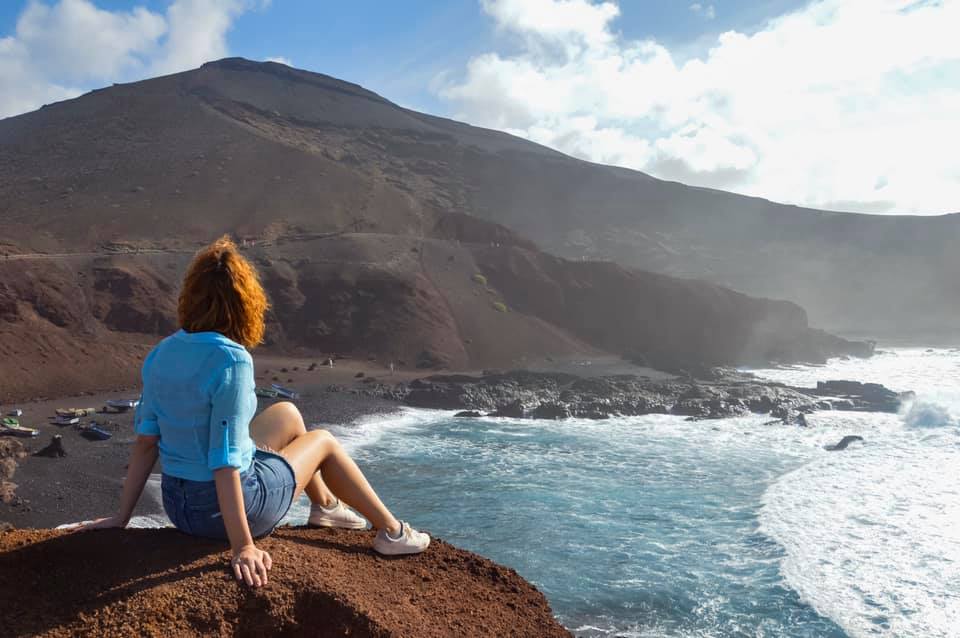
(835, 104)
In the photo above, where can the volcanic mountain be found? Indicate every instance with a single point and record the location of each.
(380, 232)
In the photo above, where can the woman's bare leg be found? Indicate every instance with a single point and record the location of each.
(274, 429)
(318, 449)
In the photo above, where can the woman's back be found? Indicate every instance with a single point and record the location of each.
(198, 397)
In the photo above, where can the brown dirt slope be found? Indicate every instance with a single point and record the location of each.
(324, 583)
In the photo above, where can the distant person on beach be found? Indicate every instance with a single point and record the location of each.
(226, 474)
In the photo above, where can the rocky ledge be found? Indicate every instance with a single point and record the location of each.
(541, 395)
(323, 583)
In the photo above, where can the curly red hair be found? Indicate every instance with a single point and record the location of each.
(222, 293)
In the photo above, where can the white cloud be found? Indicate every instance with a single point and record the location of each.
(847, 104)
(570, 22)
(198, 33)
(59, 49)
(708, 11)
(280, 60)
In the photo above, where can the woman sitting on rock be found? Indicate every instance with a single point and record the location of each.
(226, 474)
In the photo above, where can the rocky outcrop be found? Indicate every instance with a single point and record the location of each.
(11, 451)
(539, 395)
(323, 583)
(863, 397)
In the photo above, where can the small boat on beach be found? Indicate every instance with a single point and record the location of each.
(78, 413)
(15, 413)
(94, 432)
(9, 426)
(61, 419)
(286, 393)
(122, 405)
(266, 393)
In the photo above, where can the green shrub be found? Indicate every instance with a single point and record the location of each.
(480, 279)
(499, 306)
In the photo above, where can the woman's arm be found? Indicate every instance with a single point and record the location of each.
(143, 455)
(232, 404)
(249, 563)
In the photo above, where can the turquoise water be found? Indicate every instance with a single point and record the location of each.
(625, 526)
(654, 526)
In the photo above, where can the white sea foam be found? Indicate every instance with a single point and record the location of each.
(927, 414)
(362, 433)
(367, 430)
(872, 534)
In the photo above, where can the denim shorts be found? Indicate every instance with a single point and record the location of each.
(268, 486)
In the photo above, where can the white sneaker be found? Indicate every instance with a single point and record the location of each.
(410, 541)
(339, 516)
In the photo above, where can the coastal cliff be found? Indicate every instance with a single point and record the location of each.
(324, 583)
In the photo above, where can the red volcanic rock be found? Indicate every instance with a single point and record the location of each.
(323, 583)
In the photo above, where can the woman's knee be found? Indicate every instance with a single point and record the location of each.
(287, 408)
(323, 437)
(290, 416)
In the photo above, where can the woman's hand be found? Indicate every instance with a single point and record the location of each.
(251, 565)
(100, 523)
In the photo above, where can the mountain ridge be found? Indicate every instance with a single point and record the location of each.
(372, 229)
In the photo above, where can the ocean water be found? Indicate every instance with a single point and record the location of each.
(654, 526)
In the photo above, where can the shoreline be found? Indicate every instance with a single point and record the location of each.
(87, 482)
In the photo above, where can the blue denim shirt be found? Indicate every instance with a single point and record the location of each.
(198, 397)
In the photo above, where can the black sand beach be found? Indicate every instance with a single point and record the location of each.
(86, 483)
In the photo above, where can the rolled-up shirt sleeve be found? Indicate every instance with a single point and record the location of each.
(144, 417)
(230, 416)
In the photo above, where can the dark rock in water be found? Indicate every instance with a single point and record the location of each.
(359, 375)
(862, 397)
(551, 410)
(468, 413)
(709, 408)
(516, 409)
(54, 449)
(844, 442)
(788, 415)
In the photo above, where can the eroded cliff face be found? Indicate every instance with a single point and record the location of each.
(476, 297)
(323, 583)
